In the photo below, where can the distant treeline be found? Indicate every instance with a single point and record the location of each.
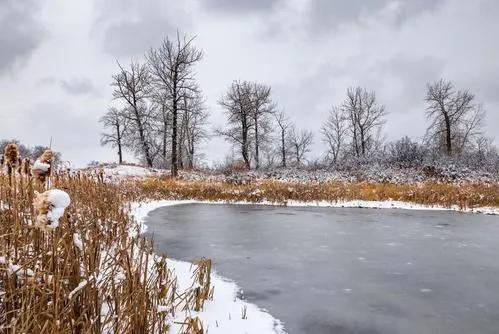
(159, 114)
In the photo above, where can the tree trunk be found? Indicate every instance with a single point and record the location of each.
(174, 169)
(180, 153)
(297, 155)
(143, 141)
(244, 146)
(257, 149)
(362, 143)
(165, 134)
(190, 159)
(283, 147)
(448, 136)
(118, 136)
(355, 141)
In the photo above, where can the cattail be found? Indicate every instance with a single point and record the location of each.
(43, 166)
(25, 166)
(10, 157)
(100, 174)
(49, 208)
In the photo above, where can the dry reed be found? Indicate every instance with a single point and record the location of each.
(43, 166)
(88, 275)
(468, 195)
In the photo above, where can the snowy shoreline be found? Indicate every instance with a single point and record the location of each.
(141, 210)
(223, 314)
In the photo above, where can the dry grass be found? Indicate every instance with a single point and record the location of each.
(442, 194)
(50, 282)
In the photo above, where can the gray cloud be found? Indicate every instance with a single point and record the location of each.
(77, 86)
(134, 38)
(72, 86)
(240, 6)
(131, 28)
(326, 15)
(408, 77)
(485, 83)
(409, 8)
(72, 133)
(21, 32)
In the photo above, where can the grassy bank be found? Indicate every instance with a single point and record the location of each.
(432, 194)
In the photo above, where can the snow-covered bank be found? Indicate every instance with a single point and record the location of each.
(141, 210)
(226, 313)
(117, 172)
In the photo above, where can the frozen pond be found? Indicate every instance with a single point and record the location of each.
(330, 270)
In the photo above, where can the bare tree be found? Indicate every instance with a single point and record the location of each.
(454, 116)
(300, 143)
(284, 125)
(239, 111)
(483, 145)
(171, 66)
(194, 126)
(184, 110)
(132, 86)
(162, 125)
(117, 123)
(334, 132)
(471, 129)
(263, 106)
(365, 118)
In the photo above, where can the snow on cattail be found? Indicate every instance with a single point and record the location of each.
(49, 207)
(43, 165)
(10, 157)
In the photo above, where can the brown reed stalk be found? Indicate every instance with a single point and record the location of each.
(50, 284)
(192, 326)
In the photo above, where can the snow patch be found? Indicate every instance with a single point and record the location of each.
(224, 314)
(40, 166)
(80, 286)
(77, 241)
(59, 201)
(118, 172)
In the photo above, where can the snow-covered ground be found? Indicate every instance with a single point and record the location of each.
(124, 171)
(369, 173)
(224, 314)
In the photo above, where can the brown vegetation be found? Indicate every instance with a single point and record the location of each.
(428, 193)
(87, 275)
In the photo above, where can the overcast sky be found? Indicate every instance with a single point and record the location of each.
(57, 58)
